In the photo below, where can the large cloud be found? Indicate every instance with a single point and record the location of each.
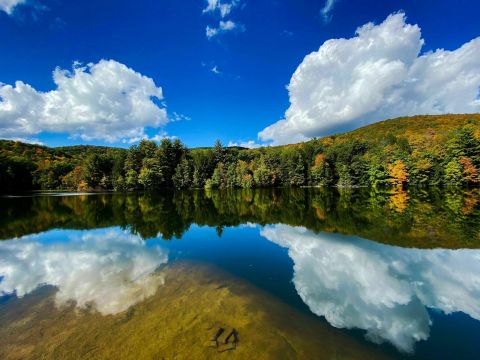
(110, 269)
(105, 101)
(375, 75)
(9, 5)
(385, 290)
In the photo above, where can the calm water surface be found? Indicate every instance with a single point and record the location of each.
(305, 273)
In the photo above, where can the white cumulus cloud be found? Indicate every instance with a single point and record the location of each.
(379, 73)
(385, 290)
(9, 5)
(109, 269)
(104, 101)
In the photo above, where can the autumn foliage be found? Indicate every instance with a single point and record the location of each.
(398, 173)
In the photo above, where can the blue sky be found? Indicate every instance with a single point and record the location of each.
(230, 86)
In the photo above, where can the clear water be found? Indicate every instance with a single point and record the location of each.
(393, 275)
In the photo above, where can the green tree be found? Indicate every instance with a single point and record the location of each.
(97, 166)
(453, 173)
(151, 175)
(262, 174)
(321, 174)
(244, 175)
(203, 167)
(131, 180)
(219, 152)
(183, 177)
(297, 172)
(377, 174)
(119, 184)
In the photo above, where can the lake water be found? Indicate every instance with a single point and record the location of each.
(300, 273)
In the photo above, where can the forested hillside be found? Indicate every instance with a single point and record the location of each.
(421, 150)
(34, 167)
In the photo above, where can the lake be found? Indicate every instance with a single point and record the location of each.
(246, 274)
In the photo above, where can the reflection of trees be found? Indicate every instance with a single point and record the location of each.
(420, 218)
(472, 198)
(399, 200)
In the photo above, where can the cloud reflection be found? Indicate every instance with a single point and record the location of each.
(109, 269)
(385, 290)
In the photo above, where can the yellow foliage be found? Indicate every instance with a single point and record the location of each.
(328, 141)
(82, 186)
(398, 173)
(399, 201)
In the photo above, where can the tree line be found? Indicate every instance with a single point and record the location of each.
(390, 161)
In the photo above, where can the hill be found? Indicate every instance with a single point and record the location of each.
(408, 151)
(30, 166)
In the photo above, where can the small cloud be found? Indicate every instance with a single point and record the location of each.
(157, 138)
(58, 24)
(227, 25)
(223, 27)
(215, 69)
(163, 135)
(8, 6)
(250, 144)
(223, 8)
(179, 117)
(210, 32)
(287, 33)
(326, 11)
(24, 10)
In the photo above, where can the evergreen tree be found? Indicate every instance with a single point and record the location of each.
(297, 172)
(183, 177)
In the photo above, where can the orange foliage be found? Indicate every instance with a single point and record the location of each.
(319, 159)
(320, 214)
(470, 172)
(472, 198)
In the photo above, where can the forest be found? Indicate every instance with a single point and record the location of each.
(414, 151)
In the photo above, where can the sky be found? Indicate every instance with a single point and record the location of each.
(246, 72)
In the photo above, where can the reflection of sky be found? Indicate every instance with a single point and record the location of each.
(110, 269)
(385, 290)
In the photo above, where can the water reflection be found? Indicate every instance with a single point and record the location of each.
(418, 218)
(110, 269)
(385, 290)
